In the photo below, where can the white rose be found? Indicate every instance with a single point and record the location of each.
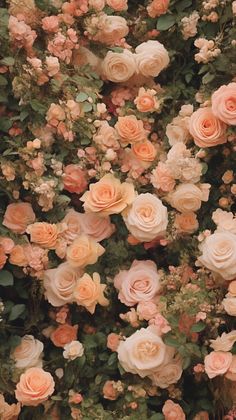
(142, 352)
(28, 353)
(73, 350)
(188, 197)
(229, 304)
(119, 67)
(224, 220)
(151, 58)
(168, 374)
(146, 218)
(225, 342)
(59, 284)
(219, 254)
(111, 29)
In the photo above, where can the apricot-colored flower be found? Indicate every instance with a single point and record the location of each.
(89, 291)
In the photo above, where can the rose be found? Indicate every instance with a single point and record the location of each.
(225, 221)
(219, 253)
(89, 291)
(157, 8)
(232, 288)
(188, 197)
(18, 216)
(138, 284)
(73, 350)
(111, 29)
(7, 411)
(113, 341)
(18, 256)
(50, 23)
(59, 284)
(162, 178)
(3, 257)
(97, 4)
(117, 5)
(34, 387)
(28, 353)
(73, 229)
(146, 218)
(167, 374)
(231, 372)
(43, 234)
(74, 179)
(172, 411)
(229, 305)
(146, 100)
(130, 130)
(224, 103)
(151, 58)
(177, 131)
(217, 363)
(202, 415)
(225, 342)
(109, 392)
(108, 196)
(64, 334)
(106, 137)
(83, 251)
(146, 310)
(53, 65)
(55, 112)
(145, 152)
(118, 67)
(142, 352)
(74, 109)
(98, 228)
(206, 129)
(186, 222)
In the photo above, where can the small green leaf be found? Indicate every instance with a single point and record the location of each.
(182, 4)
(157, 416)
(5, 124)
(16, 312)
(165, 22)
(38, 107)
(6, 278)
(200, 326)
(7, 61)
(3, 81)
(208, 78)
(81, 97)
(171, 341)
(87, 107)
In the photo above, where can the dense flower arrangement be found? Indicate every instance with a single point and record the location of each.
(118, 185)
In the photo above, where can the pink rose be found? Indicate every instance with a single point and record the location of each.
(231, 372)
(162, 178)
(173, 411)
(109, 392)
(206, 129)
(18, 216)
(53, 65)
(35, 387)
(96, 227)
(224, 103)
(151, 58)
(138, 284)
(59, 284)
(113, 341)
(118, 5)
(74, 179)
(217, 363)
(157, 8)
(146, 310)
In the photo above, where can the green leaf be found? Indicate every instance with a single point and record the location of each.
(87, 107)
(208, 78)
(3, 81)
(6, 278)
(183, 4)
(200, 326)
(165, 22)
(157, 416)
(171, 341)
(16, 311)
(81, 97)
(38, 107)
(5, 124)
(7, 61)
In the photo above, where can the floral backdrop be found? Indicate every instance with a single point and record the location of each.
(117, 187)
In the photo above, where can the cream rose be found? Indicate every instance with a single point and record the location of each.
(188, 197)
(89, 291)
(224, 103)
(73, 350)
(111, 29)
(151, 58)
(225, 342)
(219, 254)
(229, 305)
(146, 218)
(206, 129)
(167, 374)
(28, 353)
(8, 411)
(142, 353)
(59, 284)
(217, 363)
(108, 196)
(138, 284)
(34, 387)
(83, 251)
(225, 221)
(119, 67)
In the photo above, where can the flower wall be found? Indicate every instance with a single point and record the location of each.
(118, 234)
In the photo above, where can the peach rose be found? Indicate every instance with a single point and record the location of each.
(109, 392)
(157, 8)
(151, 58)
(110, 29)
(53, 65)
(146, 218)
(55, 112)
(202, 415)
(108, 196)
(59, 284)
(28, 353)
(97, 4)
(206, 129)
(64, 334)
(186, 222)
(18, 216)
(7, 244)
(73, 229)
(34, 387)
(188, 197)
(142, 352)
(168, 374)
(219, 254)
(224, 103)
(217, 363)
(117, 5)
(18, 257)
(229, 305)
(138, 284)
(173, 411)
(118, 67)
(231, 372)
(74, 179)
(130, 130)
(83, 251)
(74, 109)
(162, 178)
(89, 291)
(50, 23)
(146, 100)
(97, 227)
(43, 234)
(232, 288)
(145, 152)
(106, 137)
(146, 310)
(3, 257)
(7, 411)
(113, 341)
